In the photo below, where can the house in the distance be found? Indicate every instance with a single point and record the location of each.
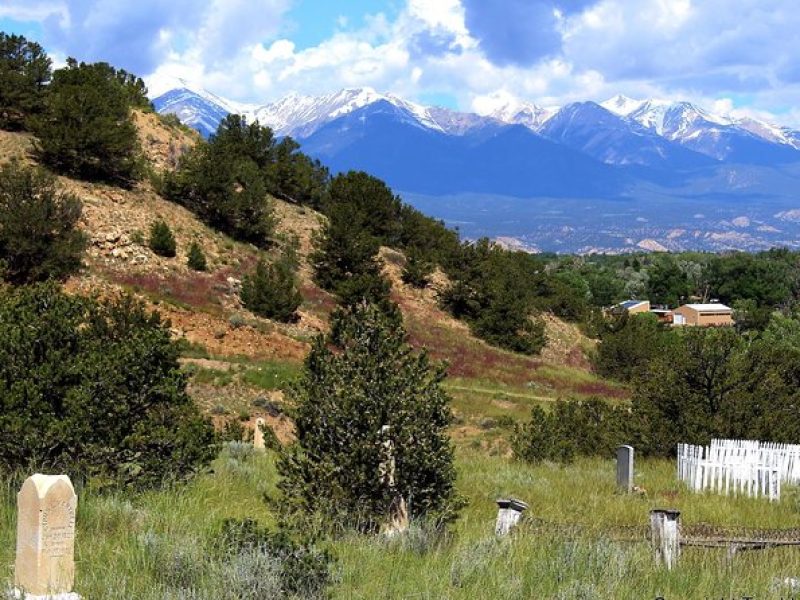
(631, 307)
(703, 315)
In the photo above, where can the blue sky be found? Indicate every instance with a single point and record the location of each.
(311, 22)
(735, 56)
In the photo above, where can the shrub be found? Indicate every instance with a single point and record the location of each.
(417, 271)
(303, 570)
(237, 321)
(94, 389)
(196, 259)
(628, 344)
(233, 431)
(271, 291)
(137, 237)
(24, 74)
(86, 128)
(162, 242)
(348, 395)
(39, 238)
(271, 440)
(584, 428)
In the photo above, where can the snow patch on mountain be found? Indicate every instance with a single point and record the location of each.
(622, 105)
(300, 116)
(518, 112)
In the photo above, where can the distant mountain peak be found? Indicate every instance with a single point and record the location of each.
(520, 112)
(622, 105)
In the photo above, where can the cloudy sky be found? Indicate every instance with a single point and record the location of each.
(728, 55)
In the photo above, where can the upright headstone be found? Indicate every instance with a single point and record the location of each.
(625, 469)
(398, 510)
(665, 534)
(508, 515)
(45, 565)
(258, 434)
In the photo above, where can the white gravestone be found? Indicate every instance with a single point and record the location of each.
(45, 565)
(258, 434)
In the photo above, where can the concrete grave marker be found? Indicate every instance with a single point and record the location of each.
(509, 512)
(45, 566)
(625, 469)
(258, 434)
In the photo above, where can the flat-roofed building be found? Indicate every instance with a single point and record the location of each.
(632, 307)
(703, 315)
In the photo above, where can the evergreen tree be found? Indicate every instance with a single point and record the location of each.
(162, 242)
(688, 393)
(417, 270)
(345, 260)
(628, 345)
(86, 129)
(94, 390)
(196, 260)
(295, 177)
(39, 238)
(362, 405)
(24, 74)
(271, 291)
(223, 181)
(370, 205)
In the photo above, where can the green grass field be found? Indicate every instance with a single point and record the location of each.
(148, 546)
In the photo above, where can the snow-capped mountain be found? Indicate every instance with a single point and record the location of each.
(722, 137)
(719, 136)
(528, 114)
(615, 140)
(300, 116)
(196, 107)
(622, 105)
(619, 144)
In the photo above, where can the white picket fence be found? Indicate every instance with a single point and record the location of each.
(744, 467)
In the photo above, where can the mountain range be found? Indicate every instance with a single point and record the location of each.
(621, 150)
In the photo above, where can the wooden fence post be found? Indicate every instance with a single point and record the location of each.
(508, 515)
(665, 535)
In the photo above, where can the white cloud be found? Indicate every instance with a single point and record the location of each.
(34, 10)
(729, 55)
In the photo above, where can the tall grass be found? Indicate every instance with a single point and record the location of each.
(153, 545)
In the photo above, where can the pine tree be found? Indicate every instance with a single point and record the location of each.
(94, 389)
(24, 74)
(196, 260)
(86, 128)
(162, 242)
(39, 238)
(346, 263)
(366, 400)
(223, 181)
(271, 291)
(417, 270)
(370, 203)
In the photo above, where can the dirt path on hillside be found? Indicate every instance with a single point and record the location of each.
(488, 391)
